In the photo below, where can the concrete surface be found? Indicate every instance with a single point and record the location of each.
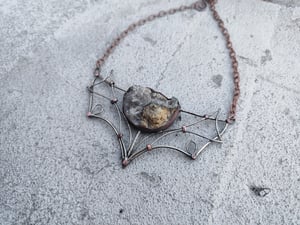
(58, 167)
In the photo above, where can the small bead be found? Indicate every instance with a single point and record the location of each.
(125, 162)
(120, 135)
(97, 72)
(194, 156)
(89, 114)
(149, 147)
(114, 101)
(183, 128)
(230, 121)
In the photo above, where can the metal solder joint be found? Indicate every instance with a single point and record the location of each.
(199, 5)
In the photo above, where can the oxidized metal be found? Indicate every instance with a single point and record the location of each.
(155, 114)
(139, 141)
(149, 110)
(199, 6)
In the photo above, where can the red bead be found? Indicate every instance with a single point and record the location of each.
(149, 147)
(114, 101)
(125, 162)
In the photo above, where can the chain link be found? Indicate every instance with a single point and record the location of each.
(199, 6)
(236, 75)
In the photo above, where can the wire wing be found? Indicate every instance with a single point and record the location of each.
(193, 132)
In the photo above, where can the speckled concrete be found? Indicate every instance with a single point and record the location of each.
(59, 167)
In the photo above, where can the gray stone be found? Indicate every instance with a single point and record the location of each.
(149, 110)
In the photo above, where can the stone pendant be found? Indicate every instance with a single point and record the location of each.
(149, 110)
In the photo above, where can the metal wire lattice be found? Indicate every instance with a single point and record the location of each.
(104, 95)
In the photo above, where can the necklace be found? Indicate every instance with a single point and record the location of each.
(147, 118)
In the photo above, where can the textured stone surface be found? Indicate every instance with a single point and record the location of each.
(58, 167)
(287, 3)
(149, 110)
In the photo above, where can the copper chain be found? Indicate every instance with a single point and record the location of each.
(199, 6)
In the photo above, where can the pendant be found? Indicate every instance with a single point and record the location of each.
(148, 110)
(146, 120)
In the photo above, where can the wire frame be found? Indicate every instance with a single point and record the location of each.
(193, 132)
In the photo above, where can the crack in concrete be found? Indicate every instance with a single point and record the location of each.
(162, 75)
(47, 37)
(279, 85)
(287, 3)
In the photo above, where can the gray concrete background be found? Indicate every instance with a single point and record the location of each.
(58, 167)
